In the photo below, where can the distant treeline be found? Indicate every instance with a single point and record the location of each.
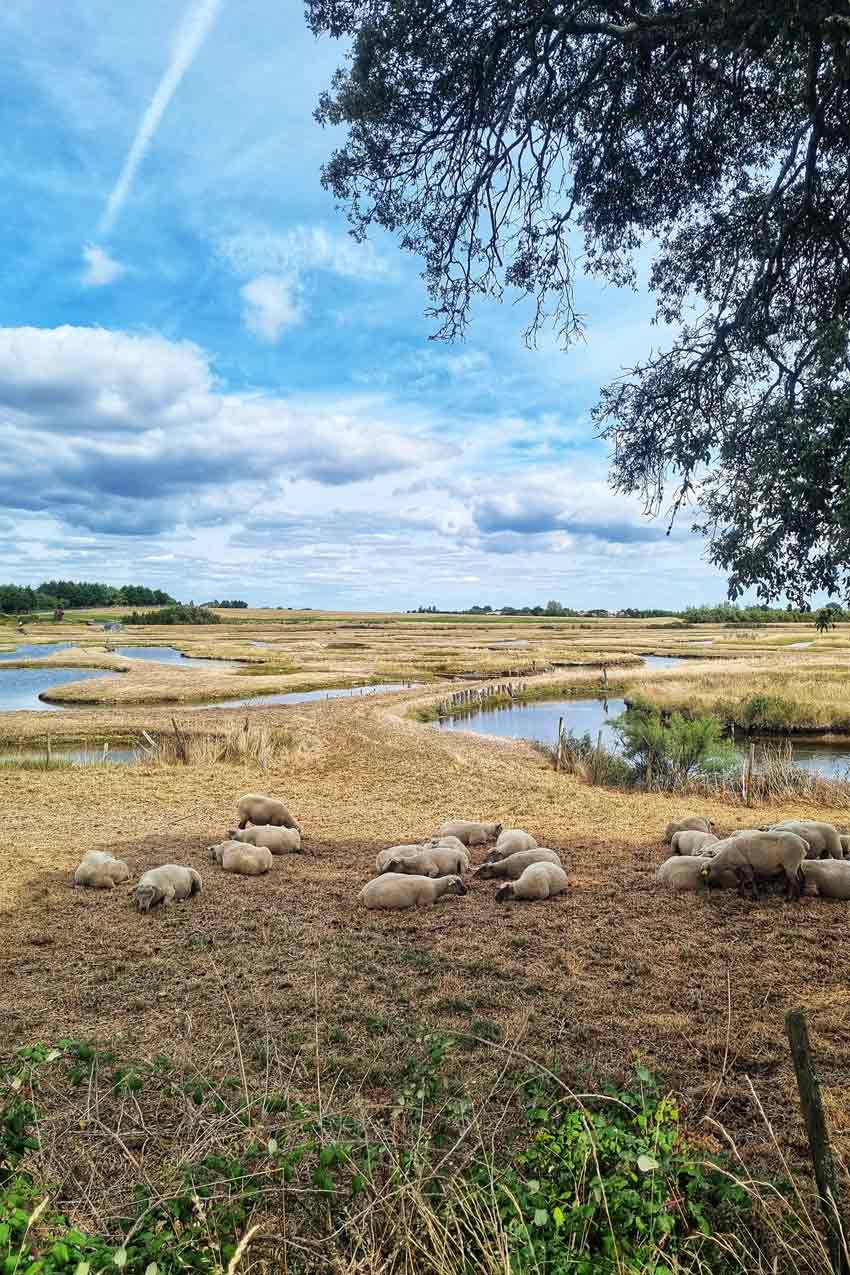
(180, 613)
(18, 599)
(227, 604)
(718, 613)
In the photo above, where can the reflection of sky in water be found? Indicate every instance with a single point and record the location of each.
(20, 687)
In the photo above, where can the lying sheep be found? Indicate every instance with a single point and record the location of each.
(246, 860)
(469, 832)
(430, 861)
(845, 844)
(100, 870)
(690, 842)
(386, 856)
(511, 841)
(513, 867)
(687, 872)
(823, 838)
(394, 891)
(451, 843)
(831, 879)
(759, 855)
(538, 881)
(262, 811)
(694, 823)
(278, 840)
(164, 885)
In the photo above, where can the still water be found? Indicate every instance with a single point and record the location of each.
(34, 651)
(169, 655)
(21, 687)
(303, 697)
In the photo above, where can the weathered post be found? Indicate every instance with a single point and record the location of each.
(751, 772)
(560, 743)
(817, 1131)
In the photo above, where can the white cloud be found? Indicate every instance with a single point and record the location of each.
(301, 249)
(269, 306)
(101, 269)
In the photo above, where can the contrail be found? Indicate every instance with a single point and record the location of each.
(193, 30)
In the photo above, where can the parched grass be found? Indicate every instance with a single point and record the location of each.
(801, 698)
(234, 742)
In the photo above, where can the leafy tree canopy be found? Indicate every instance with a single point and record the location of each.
(501, 139)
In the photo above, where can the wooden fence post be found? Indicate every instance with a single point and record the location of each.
(751, 771)
(49, 750)
(560, 743)
(180, 742)
(817, 1131)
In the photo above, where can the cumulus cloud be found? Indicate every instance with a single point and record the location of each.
(101, 269)
(269, 306)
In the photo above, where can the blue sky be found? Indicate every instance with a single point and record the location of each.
(207, 386)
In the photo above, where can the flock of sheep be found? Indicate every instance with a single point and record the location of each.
(408, 875)
(802, 851)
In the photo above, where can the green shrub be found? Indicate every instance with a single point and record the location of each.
(672, 750)
(768, 712)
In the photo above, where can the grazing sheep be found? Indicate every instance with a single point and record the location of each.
(752, 855)
(101, 871)
(538, 881)
(823, 838)
(246, 860)
(395, 891)
(691, 842)
(469, 832)
(511, 841)
(278, 840)
(686, 872)
(164, 885)
(845, 844)
(262, 811)
(513, 867)
(694, 823)
(430, 861)
(831, 879)
(451, 843)
(386, 856)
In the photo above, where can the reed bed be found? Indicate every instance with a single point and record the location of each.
(233, 742)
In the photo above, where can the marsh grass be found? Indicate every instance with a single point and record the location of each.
(233, 742)
(796, 697)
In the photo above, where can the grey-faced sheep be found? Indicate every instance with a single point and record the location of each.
(823, 838)
(395, 891)
(246, 860)
(101, 871)
(686, 872)
(691, 842)
(164, 885)
(694, 823)
(538, 881)
(511, 841)
(430, 861)
(262, 811)
(384, 857)
(278, 840)
(831, 879)
(755, 856)
(512, 868)
(469, 832)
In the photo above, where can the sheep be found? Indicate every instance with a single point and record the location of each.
(451, 843)
(101, 870)
(691, 842)
(165, 884)
(385, 856)
(469, 832)
(686, 872)
(262, 811)
(831, 879)
(246, 860)
(759, 854)
(394, 891)
(510, 841)
(278, 840)
(430, 861)
(513, 867)
(538, 881)
(694, 823)
(845, 844)
(823, 838)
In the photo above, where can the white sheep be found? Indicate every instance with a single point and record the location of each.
(752, 855)
(384, 857)
(278, 840)
(394, 891)
(470, 832)
(691, 842)
(831, 879)
(845, 844)
(451, 843)
(164, 885)
(694, 823)
(513, 867)
(511, 841)
(686, 872)
(538, 881)
(430, 861)
(100, 870)
(823, 838)
(262, 811)
(245, 860)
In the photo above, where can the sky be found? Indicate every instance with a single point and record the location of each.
(207, 386)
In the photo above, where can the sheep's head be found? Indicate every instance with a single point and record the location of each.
(486, 871)
(235, 835)
(146, 897)
(505, 892)
(497, 829)
(455, 886)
